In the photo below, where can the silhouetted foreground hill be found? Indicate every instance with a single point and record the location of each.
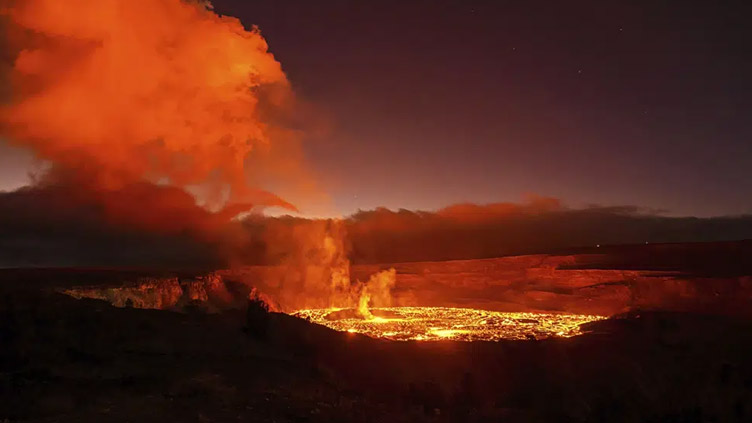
(70, 360)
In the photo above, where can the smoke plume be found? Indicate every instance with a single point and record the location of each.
(145, 108)
(310, 267)
(117, 92)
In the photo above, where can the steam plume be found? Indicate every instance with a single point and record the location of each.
(136, 102)
(313, 269)
(117, 92)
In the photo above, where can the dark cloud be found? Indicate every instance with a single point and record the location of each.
(478, 231)
(59, 225)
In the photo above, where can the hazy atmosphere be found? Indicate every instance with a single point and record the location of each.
(364, 211)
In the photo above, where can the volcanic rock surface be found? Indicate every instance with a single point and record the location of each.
(666, 277)
(685, 360)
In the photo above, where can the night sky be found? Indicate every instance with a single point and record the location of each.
(429, 103)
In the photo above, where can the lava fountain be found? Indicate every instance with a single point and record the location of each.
(448, 323)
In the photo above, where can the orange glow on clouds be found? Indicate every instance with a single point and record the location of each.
(121, 91)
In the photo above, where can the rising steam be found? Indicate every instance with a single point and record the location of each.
(136, 103)
(313, 269)
(117, 92)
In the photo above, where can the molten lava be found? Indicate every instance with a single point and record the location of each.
(439, 323)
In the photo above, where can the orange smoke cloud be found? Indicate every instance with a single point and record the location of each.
(117, 92)
(311, 268)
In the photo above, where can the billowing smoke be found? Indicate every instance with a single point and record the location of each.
(117, 92)
(312, 269)
(162, 116)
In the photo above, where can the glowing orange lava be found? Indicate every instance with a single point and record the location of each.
(439, 323)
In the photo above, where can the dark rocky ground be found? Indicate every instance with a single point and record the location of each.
(83, 360)
(68, 360)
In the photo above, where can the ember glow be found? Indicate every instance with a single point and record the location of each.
(445, 323)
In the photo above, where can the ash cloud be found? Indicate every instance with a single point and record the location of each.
(471, 231)
(119, 92)
(160, 121)
(60, 225)
(543, 225)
